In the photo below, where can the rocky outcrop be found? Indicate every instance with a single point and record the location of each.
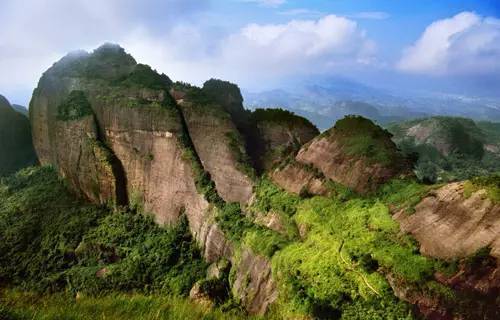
(131, 115)
(355, 153)
(16, 148)
(113, 130)
(221, 149)
(253, 284)
(449, 225)
(282, 133)
(448, 135)
(299, 178)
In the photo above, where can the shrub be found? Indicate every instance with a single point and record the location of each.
(74, 107)
(50, 240)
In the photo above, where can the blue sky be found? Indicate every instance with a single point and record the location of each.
(447, 45)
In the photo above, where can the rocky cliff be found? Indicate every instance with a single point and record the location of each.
(355, 153)
(16, 148)
(459, 223)
(282, 133)
(120, 135)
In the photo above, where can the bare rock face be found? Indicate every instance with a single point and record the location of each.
(87, 164)
(299, 178)
(448, 225)
(282, 133)
(451, 226)
(221, 149)
(355, 153)
(93, 107)
(111, 127)
(253, 284)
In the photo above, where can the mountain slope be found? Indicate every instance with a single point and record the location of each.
(449, 148)
(16, 148)
(355, 153)
(145, 150)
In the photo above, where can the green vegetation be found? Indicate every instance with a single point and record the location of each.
(241, 230)
(74, 107)
(224, 93)
(16, 147)
(403, 194)
(362, 138)
(20, 305)
(489, 183)
(278, 115)
(50, 241)
(340, 264)
(448, 148)
(108, 62)
(143, 76)
(243, 161)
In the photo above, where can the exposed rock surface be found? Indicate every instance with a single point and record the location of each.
(16, 147)
(451, 226)
(355, 153)
(253, 284)
(283, 133)
(299, 178)
(219, 146)
(139, 123)
(448, 225)
(111, 127)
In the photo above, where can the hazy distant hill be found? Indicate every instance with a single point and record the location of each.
(326, 100)
(16, 148)
(21, 109)
(450, 148)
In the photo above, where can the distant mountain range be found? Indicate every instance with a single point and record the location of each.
(21, 109)
(328, 100)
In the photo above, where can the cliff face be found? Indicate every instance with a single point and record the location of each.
(16, 148)
(355, 153)
(457, 222)
(122, 140)
(449, 225)
(219, 145)
(282, 134)
(113, 130)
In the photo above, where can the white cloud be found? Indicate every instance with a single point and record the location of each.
(373, 15)
(267, 3)
(185, 49)
(464, 44)
(299, 46)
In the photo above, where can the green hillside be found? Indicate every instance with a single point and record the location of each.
(449, 148)
(16, 148)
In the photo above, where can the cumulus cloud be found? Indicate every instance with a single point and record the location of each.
(299, 46)
(463, 44)
(36, 33)
(185, 49)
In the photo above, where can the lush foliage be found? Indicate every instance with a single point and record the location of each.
(449, 148)
(49, 241)
(489, 183)
(19, 305)
(281, 116)
(362, 138)
(142, 75)
(337, 267)
(242, 231)
(74, 107)
(16, 147)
